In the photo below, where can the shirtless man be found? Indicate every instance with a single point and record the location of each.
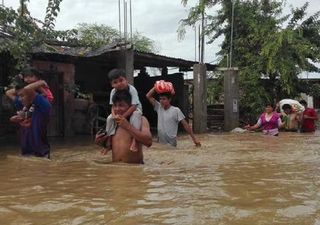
(290, 118)
(125, 132)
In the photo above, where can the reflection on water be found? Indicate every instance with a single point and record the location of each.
(232, 179)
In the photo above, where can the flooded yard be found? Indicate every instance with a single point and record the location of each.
(237, 179)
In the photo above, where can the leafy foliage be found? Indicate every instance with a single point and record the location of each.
(97, 35)
(315, 90)
(214, 88)
(269, 49)
(21, 32)
(51, 13)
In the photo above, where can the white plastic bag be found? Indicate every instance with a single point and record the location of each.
(296, 106)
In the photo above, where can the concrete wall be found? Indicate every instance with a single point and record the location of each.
(231, 99)
(126, 61)
(200, 98)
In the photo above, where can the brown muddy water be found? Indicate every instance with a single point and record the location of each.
(246, 179)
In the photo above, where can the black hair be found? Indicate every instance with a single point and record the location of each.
(19, 85)
(116, 73)
(269, 104)
(31, 71)
(166, 94)
(303, 102)
(286, 106)
(122, 95)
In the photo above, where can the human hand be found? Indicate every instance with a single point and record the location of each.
(21, 114)
(44, 83)
(247, 127)
(113, 114)
(122, 122)
(99, 138)
(26, 122)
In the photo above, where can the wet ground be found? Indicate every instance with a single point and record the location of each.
(232, 179)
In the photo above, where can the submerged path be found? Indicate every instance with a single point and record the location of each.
(232, 179)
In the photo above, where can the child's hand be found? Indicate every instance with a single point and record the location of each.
(115, 117)
(44, 83)
(247, 127)
(122, 122)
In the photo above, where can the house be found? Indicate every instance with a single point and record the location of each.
(65, 66)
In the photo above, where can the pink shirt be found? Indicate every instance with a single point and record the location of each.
(48, 94)
(269, 125)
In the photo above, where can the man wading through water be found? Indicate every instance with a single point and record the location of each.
(125, 132)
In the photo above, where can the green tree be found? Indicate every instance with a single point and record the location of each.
(270, 49)
(97, 35)
(21, 32)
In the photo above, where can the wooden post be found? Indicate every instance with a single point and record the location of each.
(200, 98)
(231, 99)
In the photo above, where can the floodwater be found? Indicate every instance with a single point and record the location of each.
(237, 179)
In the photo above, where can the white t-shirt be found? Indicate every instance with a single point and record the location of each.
(134, 96)
(168, 121)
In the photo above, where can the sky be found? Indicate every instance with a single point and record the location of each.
(157, 20)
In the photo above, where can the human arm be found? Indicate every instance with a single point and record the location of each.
(11, 93)
(280, 123)
(190, 132)
(112, 111)
(150, 97)
(129, 112)
(100, 138)
(253, 127)
(38, 85)
(312, 115)
(143, 136)
(41, 87)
